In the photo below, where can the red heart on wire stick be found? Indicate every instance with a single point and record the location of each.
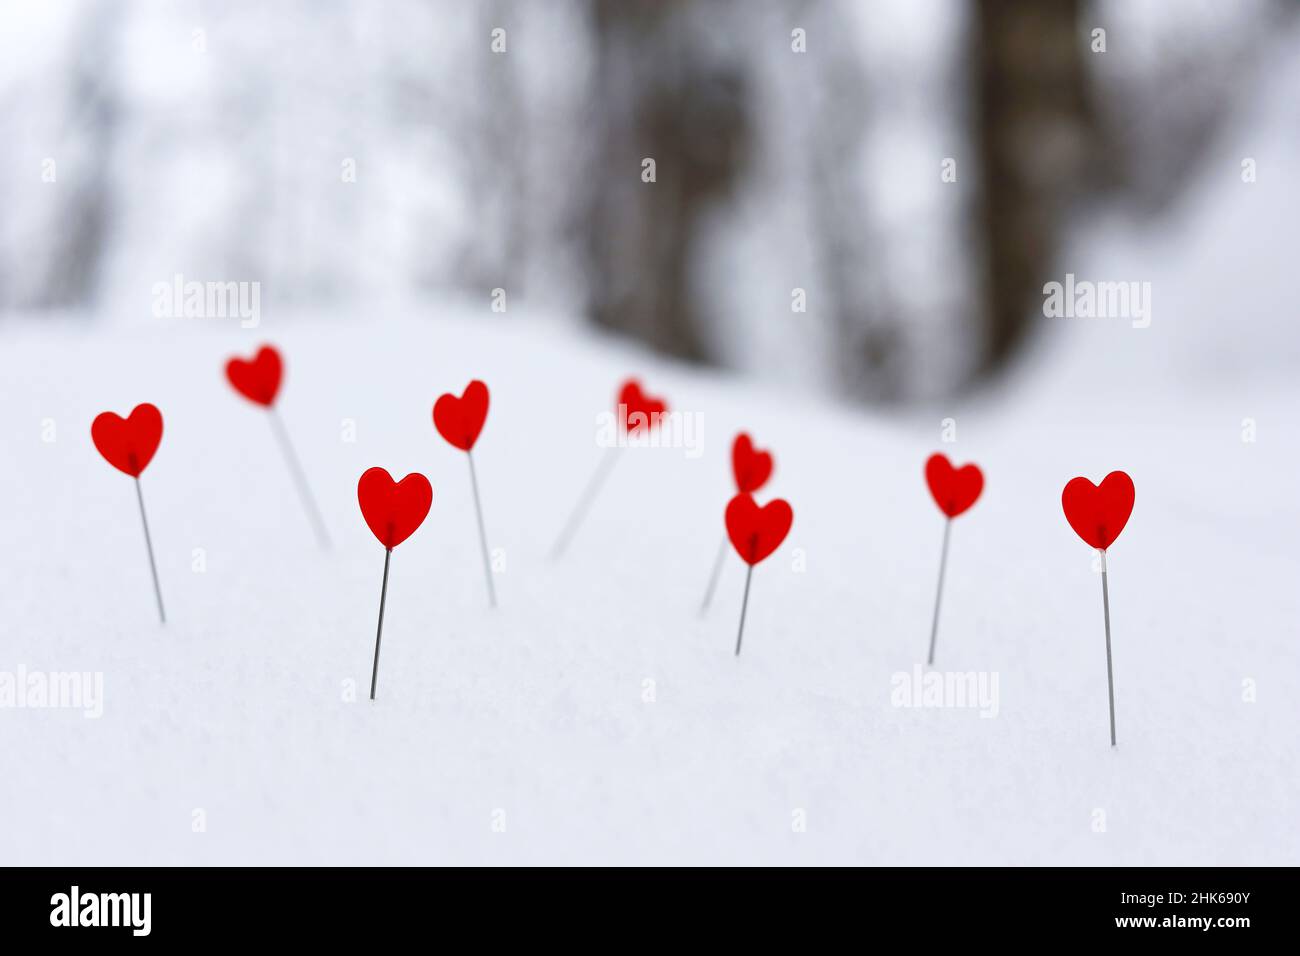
(459, 420)
(1098, 513)
(128, 444)
(756, 532)
(257, 380)
(954, 489)
(750, 466)
(393, 509)
(639, 410)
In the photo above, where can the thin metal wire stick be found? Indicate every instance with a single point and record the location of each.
(938, 596)
(744, 604)
(300, 479)
(597, 479)
(148, 543)
(482, 534)
(713, 578)
(379, 631)
(1110, 676)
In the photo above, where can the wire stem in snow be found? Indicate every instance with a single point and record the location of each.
(938, 595)
(148, 543)
(482, 534)
(300, 479)
(379, 631)
(744, 604)
(713, 578)
(593, 486)
(1110, 674)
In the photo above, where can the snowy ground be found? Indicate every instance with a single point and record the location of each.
(536, 715)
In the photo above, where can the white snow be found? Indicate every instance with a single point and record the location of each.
(236, 707)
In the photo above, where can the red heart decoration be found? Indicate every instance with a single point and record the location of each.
(1098, 513)
(128, 444)
(459, 420)
(750, 466)
(393, 509)
(639, 410)
(954, 489)
(258, 380)
(756, 532)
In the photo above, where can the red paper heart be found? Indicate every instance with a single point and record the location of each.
(954, 489)
(459, 420)
(128, 444)
(393, 509)
(258, 380)
(756, 532)
(638, 409)
(1098, 513)
(750, 466)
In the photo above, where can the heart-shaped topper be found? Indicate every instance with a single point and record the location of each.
(1098, 513)
(393, 509)
(750, 466)
(459, 420)
(954, 489)
(756, 532)
(128, 444)
(638, 410)
(257, 380)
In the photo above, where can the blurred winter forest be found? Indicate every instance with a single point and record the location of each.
(873, 192)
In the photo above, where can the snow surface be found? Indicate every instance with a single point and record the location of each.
(237, 706)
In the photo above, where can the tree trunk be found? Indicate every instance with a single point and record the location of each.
(660, 96)
(1033, 132)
